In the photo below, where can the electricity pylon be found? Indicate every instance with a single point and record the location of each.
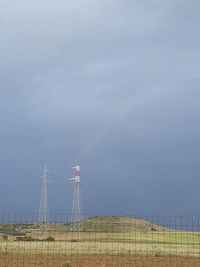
(43, 217)
(77, 215)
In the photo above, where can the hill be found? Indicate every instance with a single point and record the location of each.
(97, 224)
(116, 224)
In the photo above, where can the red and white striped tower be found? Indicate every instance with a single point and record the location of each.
(77, 215)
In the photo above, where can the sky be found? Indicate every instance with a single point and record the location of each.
(111, 85)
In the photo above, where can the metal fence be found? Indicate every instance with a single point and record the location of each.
(99, 241)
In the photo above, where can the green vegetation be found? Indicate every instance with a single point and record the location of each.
(25, 238)
(31, 239)
(49, 239)
(116, 224)
(11, 229)
(184, 238)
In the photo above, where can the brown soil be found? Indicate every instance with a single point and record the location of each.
(20, 260)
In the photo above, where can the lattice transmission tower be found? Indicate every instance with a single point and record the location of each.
(43, 217)
(77, 213)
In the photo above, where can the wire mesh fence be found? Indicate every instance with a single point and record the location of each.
(99, 241)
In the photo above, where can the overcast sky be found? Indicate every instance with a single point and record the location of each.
(113, 85)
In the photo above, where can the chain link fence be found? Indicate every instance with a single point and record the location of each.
(99, 241)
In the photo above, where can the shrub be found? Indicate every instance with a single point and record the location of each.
(49, 239)
(25, 238)
(73, 240)
(4, 237)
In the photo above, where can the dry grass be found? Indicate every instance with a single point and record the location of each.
(117, 247)
(121, 236)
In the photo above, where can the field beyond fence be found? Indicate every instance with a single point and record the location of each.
(99, 241)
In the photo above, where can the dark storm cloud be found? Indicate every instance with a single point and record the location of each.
(112, 84)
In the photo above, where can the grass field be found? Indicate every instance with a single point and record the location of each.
(101, 236)
(145, 244)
